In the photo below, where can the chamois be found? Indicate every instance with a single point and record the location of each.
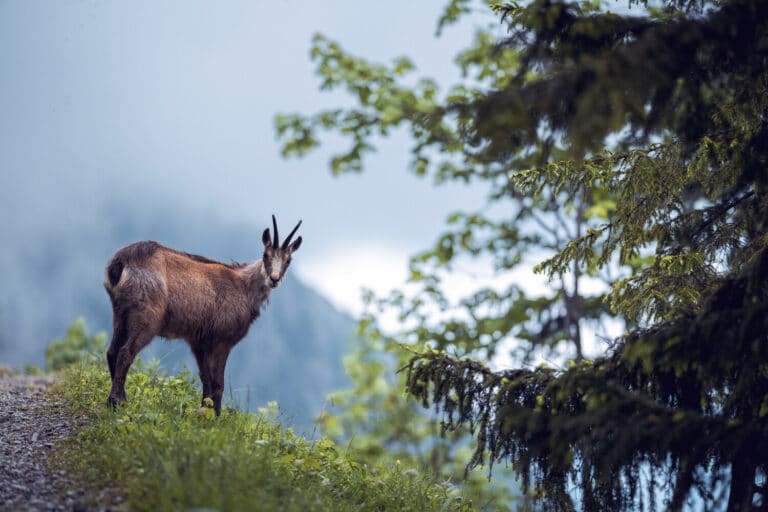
(158, 291)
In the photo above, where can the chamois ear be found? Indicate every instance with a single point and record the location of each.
(295, 245)
(266, 238)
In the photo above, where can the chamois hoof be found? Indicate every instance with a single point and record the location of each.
(113, 402)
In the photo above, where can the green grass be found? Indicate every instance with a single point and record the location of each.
(164, 453)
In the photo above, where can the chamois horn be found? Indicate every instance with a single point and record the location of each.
(275, 238)
(290, 235)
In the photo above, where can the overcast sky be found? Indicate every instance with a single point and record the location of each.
(175, 101)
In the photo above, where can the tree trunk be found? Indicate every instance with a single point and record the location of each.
(742, 483)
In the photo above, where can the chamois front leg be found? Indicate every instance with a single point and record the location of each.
(201, 356)
(217, 362)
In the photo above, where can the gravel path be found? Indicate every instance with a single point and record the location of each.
(31, 423)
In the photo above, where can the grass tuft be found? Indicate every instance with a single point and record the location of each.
(161, 451)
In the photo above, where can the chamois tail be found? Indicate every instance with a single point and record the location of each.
(134, 254)
(114, 271)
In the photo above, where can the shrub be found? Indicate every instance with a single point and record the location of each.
(74, 346)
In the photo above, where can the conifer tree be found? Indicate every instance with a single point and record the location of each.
(655, 120)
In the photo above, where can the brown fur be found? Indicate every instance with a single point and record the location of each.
(158, 291)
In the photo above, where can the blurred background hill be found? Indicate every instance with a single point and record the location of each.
(135, 121)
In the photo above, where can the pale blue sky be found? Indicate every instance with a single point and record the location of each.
(174, 102)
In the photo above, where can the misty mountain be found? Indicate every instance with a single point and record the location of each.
(52, 272)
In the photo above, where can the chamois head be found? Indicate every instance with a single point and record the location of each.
(277, 257)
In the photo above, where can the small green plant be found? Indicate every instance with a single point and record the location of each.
(32, 370)
(165, 453)
(74, 346)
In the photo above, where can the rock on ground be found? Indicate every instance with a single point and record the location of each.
(31, 423)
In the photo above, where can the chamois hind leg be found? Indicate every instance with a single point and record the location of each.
(201, 356)
(140, 331)
(118, 340)
(217, 362)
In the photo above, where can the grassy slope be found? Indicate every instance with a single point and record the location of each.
(164, 453)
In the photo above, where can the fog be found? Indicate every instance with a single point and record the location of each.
(172, 104)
